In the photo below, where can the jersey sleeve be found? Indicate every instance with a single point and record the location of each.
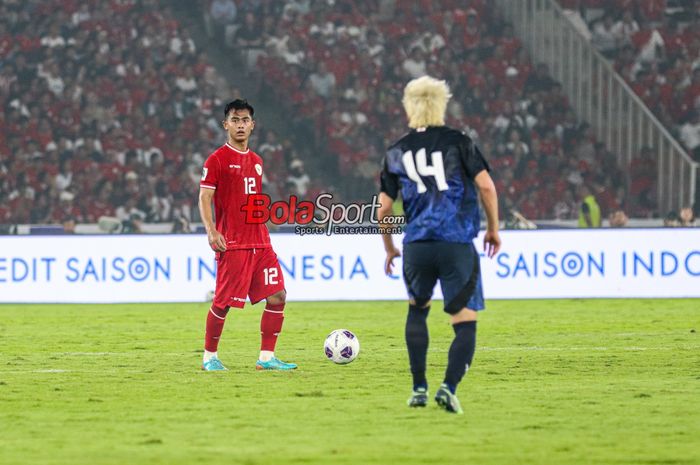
(389, 182)
(210, 173)
(472, 158)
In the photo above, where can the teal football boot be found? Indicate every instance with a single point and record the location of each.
(274, 364)
(214, 364)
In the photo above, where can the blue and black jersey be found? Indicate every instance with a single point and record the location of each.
(435, 168)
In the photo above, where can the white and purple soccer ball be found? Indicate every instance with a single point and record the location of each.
(341, 346)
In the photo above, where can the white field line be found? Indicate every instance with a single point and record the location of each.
(571, 349)
(556, 349)
(402, 349)
(189, 354)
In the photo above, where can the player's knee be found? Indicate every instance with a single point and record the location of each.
(417, 315)
(464, 314)
(278, 298)
(420, 302)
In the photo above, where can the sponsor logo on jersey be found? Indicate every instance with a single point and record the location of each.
(258, 169)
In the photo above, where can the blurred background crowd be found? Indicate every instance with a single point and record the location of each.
(109, 108)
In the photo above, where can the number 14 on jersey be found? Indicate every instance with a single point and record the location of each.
(421, 168)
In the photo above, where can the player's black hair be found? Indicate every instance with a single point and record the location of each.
(238, 104)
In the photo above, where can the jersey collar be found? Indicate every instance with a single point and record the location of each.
(236, 150)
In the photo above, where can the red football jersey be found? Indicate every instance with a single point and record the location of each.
(235, 175)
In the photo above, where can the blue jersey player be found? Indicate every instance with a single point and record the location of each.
(441, 175)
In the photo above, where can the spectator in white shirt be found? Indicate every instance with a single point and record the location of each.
(604, 37)
(223, 13)
(625, 28)
(322, 81)
(297, 178)
(415, 65)
(53, 38)
(690, 134)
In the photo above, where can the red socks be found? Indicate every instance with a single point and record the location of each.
(215, 326)
(271, 326)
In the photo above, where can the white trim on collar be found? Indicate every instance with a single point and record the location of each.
(236, 150)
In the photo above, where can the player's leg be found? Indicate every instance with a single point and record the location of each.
(420, 276)
(268, 284)
(215, 326)
(459, 358)
(463, 346)
(232, 282)
(460, 281)
(417, 339)
(271, 322)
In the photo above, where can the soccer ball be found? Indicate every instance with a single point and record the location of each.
(341, 346)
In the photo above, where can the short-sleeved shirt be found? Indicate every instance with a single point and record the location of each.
(235, 175)
(434, 168)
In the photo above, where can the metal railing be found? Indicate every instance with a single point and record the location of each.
(601, 97)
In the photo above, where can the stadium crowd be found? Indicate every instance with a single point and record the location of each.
(340, 67)
(655, 46)
(109, 108)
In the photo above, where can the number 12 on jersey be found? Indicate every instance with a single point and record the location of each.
(421, 168)
(249, 185)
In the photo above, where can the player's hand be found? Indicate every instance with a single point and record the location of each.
(391, 254)
(492, 243)
(217, 241)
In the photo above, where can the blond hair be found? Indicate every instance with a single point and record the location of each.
(425, 101)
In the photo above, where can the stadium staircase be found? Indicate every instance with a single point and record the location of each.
(600, 96)
(229, 63)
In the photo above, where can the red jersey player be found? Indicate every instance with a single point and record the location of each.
(246, 263)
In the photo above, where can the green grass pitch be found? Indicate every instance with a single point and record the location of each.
(553, 382)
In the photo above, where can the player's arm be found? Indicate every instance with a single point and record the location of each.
(216, 239)
(478, 169)
(389, 192)
(489, 200)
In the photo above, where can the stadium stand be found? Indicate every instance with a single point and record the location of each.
(341, 70)
(109, 108)
(655, 46)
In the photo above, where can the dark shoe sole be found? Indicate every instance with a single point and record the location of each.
(418, 404)
(444, 403)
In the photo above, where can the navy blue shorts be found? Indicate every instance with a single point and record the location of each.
(455, 265)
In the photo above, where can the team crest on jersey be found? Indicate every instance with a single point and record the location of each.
(258, 169)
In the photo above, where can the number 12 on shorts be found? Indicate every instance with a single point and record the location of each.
(270, 276)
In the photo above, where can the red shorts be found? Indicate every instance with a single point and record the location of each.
(241, 273)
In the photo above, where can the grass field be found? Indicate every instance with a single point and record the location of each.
(553, 382)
